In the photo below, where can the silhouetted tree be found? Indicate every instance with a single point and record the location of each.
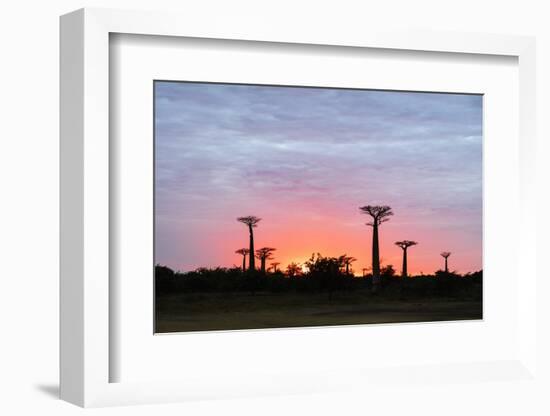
(405, 244)
(274, 265)
(318, 274)
(243, 252)
(252, 222)
(347, 262)
(387, 271)
(326, 271)
(293, 270)
(264, 254)
(379, 215)
(164, 279)
(446, 255)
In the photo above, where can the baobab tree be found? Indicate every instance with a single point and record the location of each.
(379, 214)
(243, 252)
(446, 255)
(405, 244)
(347, 262)
(264, 254)
(252, 222)
(274, 265)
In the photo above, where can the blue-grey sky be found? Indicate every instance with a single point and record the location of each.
(304, 160)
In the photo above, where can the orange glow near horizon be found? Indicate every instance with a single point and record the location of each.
(296, 241)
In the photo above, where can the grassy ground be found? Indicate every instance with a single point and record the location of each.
(207, 312)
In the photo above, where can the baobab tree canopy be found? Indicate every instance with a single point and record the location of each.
(405, 244)
(445, 254)
(379, 213)
(264, 252)
(250, 220)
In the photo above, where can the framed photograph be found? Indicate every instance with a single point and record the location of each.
(265, 211)
(312, 161)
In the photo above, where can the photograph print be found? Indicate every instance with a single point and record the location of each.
(287, 206)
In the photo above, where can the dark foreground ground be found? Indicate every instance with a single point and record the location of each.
(230, 311)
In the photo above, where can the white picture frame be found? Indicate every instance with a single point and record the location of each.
(86, 356)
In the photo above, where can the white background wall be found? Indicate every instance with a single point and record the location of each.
(29, 56)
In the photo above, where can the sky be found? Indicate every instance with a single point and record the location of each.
(304, 160)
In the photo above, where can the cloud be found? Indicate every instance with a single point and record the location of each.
(309, 152)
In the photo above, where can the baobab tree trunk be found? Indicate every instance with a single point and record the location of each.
(244, 263)
(375, 258)
(251, 257)
(446, 268)
(404, 271)
(347, 268)
(262, 264)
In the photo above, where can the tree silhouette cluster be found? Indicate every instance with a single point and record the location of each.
(319, 273)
